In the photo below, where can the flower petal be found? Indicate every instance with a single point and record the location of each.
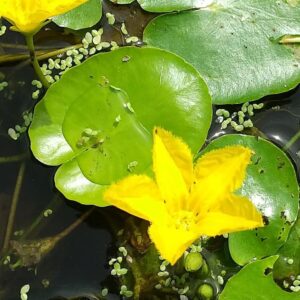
(217, 173)
(173, 168)
(60, 7)
(171, 242)
(28, 15)
(137, 195)
(234, 213)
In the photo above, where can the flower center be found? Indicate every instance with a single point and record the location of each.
(184, 220)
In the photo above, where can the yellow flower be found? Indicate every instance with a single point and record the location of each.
(28, 16)
(186, 202)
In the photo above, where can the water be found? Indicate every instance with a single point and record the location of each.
(279, 121)
(78, 264)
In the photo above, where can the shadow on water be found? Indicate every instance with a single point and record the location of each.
(78, 264)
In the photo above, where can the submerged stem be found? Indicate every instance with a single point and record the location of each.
(13, 208)
(292, 141)
(40, 55)
(34, 61)
(138, 279)
(13, 158)
(70, 228)
(37, 222)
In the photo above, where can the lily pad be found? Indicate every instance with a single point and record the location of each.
(290, 252)
(161, 90)
(106, 137)
(235, 45)
(70, 181)
(122, 1)
(83, 16)
(175, 5)
(271, 184)
(255, 281)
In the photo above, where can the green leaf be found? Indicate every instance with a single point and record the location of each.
(235, 46)
(255, 281)
(118, 138)
(161, 90)
(84, 16)
(271, 184)
(70, 181)
(122, 1)
(168, 6)
(290, 250)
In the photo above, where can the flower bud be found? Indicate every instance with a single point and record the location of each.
(193, 262)
(206, 291)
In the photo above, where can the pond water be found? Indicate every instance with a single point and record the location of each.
(77, 267)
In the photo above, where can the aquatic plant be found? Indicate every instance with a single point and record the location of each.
(128, 121)
(183, 202)
(29, 17)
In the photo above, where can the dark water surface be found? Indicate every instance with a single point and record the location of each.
(78, 264)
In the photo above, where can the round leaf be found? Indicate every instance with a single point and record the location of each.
(271, 184)
(255, 281)
(235, 46)
(175, 5)
(70, 181)
(163, 90)
(106, 137)
(83, 16)
(289, 251)
(122, 1)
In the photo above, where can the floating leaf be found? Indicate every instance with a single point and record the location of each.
(235, 45)
(290, 252)
(163, 89)
(122, 1)
(271, 184)
(105, 135)
(72, 183)
(84, 16)
(101, 132)
(175, 5)
(255, 281)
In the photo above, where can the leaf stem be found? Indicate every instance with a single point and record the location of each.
(290, 40)
(70, 228)
(40, 55)
(55, 201)
(13, 208)
(292, 141)
(34, 61)
(24, 47)
(138, 279)
(13, 158)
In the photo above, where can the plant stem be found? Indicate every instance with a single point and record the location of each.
(256, 132)
(34, 61)
(138, 280)
(24, 47)
(290, 40)
(70, 228)
(58, 51)
(13, 208)
(40, 55)
(292, 141)
(55, 201)
(13, 158)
